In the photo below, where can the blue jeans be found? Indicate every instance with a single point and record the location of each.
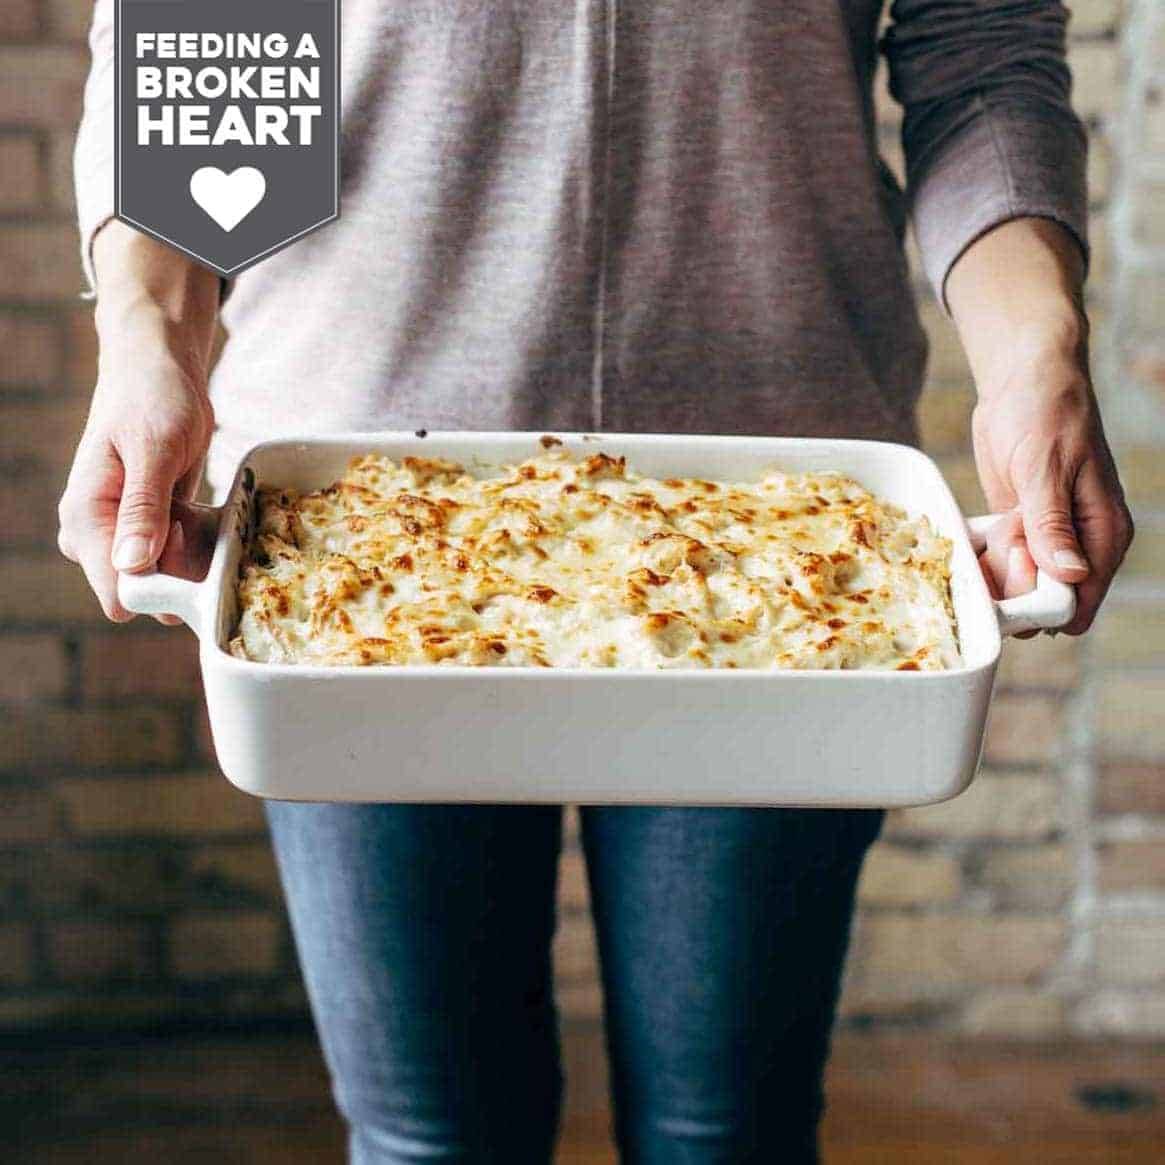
(424, 933)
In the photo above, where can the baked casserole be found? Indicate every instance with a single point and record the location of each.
(580, 562)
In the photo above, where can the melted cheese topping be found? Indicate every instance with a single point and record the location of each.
(571, 563)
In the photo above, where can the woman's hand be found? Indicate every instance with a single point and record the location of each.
(150, 421)
(1041, 453)
(1039, 443)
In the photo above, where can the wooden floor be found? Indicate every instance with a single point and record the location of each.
(262, 1099)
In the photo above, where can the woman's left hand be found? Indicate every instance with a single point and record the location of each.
(1016, 296)
(1044, 461)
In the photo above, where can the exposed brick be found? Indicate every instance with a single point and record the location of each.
(85, 950)
(41, 85)
(944, 417)
(917, 951)
(1093, 17)
(1131, 951)
(884, 1001)
(211, 946)
(582, 1000)
(1013, 1013)
(1095, 91)
(41, 436)
(107, 880)
(1099, 268)
(1142, 470)
(1099, 172)
(1131, 788)
(894, 876)
(1130, 719)
(32, 351)
(1149, 215)
(1154, 124)
(30, 814)
(1131, 865)
(18, 20)
(16, 881)
(20, 185)
(203, 738)
(123, 664)
(1123, 635)
(90, 1006)
(887, 111)
(917, 274)
(235, 873)
(1136, 1014)
(38, 261)
(574, 949)
(1043, 662)
(54, 737)
(16, 954)
(947, 362)
(101, 1009)
(32, 667)
(891, 152)
(59, 172)
(1146, 369)
(963, 478)
(572, 881)
(80, 350)
(28, 501)
(45, 589)
(1146, 556)
(1011, 807)
(69, 19)
(35, 1010)
(1028, 877)
(192, 843)
(1146, 303)
(1024, 730)
(187, 805)
(570, 827)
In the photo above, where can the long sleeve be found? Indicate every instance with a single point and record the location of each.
(93, 160)
(989, 132)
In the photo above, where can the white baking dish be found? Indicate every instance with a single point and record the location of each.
(441, 733)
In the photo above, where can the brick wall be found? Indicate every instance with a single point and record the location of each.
(136, 885)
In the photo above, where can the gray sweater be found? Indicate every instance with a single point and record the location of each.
(639, 215)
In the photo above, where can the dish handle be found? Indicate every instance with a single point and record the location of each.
(155, 593)
(1050, 605)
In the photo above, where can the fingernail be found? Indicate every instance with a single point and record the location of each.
(1069, 560)
(131, 552)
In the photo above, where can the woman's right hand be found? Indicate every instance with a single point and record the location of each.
(151, 419)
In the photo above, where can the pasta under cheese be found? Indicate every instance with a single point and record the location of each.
(583, 563)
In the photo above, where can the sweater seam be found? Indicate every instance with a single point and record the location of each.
(598, 365)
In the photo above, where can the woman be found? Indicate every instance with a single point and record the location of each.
(662, 216)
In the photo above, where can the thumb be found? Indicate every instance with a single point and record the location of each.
(143, 515)
(1050, 532)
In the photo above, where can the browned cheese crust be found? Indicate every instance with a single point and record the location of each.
(583, 563)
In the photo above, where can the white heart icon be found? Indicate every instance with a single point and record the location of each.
(228, 198)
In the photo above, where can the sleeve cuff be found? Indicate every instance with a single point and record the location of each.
(88, 234)
(93, 170)
(90, 224)
(1002, 163)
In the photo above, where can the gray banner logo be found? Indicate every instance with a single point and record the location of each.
(228, 124)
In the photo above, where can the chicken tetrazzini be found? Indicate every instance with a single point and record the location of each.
(583, 563)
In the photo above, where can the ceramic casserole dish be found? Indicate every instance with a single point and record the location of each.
(525, 734)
